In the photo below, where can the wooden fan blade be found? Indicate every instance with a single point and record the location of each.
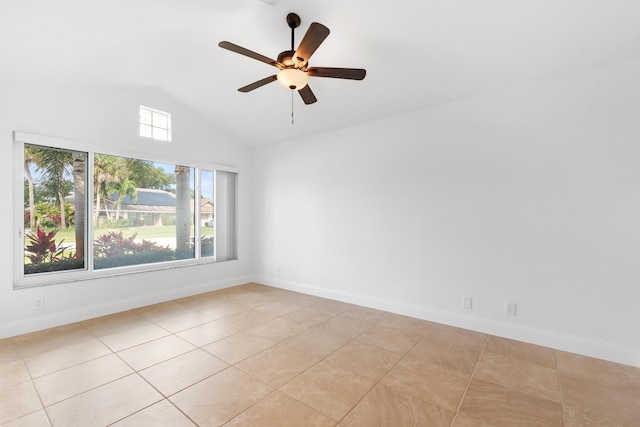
(259, 83)
(251, 54)
(337, 73)
(312, 39)
(307, 95)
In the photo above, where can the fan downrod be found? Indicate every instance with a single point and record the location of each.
(293, 21)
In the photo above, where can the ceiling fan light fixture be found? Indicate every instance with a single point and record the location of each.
(292, 78)
(292, 64)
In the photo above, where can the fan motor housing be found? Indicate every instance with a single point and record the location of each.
(286, 58)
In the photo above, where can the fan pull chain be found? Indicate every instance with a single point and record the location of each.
(292, 108)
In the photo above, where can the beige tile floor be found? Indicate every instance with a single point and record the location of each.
(259, 356)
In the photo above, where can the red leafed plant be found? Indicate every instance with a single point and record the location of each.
(42, 247)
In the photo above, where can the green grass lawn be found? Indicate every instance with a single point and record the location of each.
(144, 232)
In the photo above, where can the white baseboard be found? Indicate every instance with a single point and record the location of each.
(51, 320)
(574, 344)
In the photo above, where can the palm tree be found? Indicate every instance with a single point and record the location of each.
(30, 155)
(79, 163)
(124, 187)
(183, 208)
(105, 172)
(54, 164)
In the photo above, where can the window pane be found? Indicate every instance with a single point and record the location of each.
(145, 130)
(144, 212)
(207, 222)
(160, 134)
(160, 120)
(145, 116)
(54, 209)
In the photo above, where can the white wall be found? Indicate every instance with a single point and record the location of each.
(108, 116)
(531, 194)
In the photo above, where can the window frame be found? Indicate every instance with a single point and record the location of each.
(155, 111)
(20, 280)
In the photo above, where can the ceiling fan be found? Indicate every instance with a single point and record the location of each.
(294, 64)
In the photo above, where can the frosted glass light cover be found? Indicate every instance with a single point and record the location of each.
(292, 78)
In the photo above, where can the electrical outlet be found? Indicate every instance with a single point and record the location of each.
(38, 303)
(467, 303)
(510, 308)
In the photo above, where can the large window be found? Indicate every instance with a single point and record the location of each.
(92, 213)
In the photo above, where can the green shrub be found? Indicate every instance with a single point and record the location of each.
(124, 223)
(133, 259)
(115, 250)
(47, 267)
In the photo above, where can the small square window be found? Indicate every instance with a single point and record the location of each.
(155, 124)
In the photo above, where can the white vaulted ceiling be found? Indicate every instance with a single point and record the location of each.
(418, 54)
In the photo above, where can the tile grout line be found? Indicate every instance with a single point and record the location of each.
(163, 397)
(114, 353)
(486, 341)
(23, 357)
(372, 387)
(33, 384)
(273, 389)
(379, 381)
(555, 358)
(278, 388)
